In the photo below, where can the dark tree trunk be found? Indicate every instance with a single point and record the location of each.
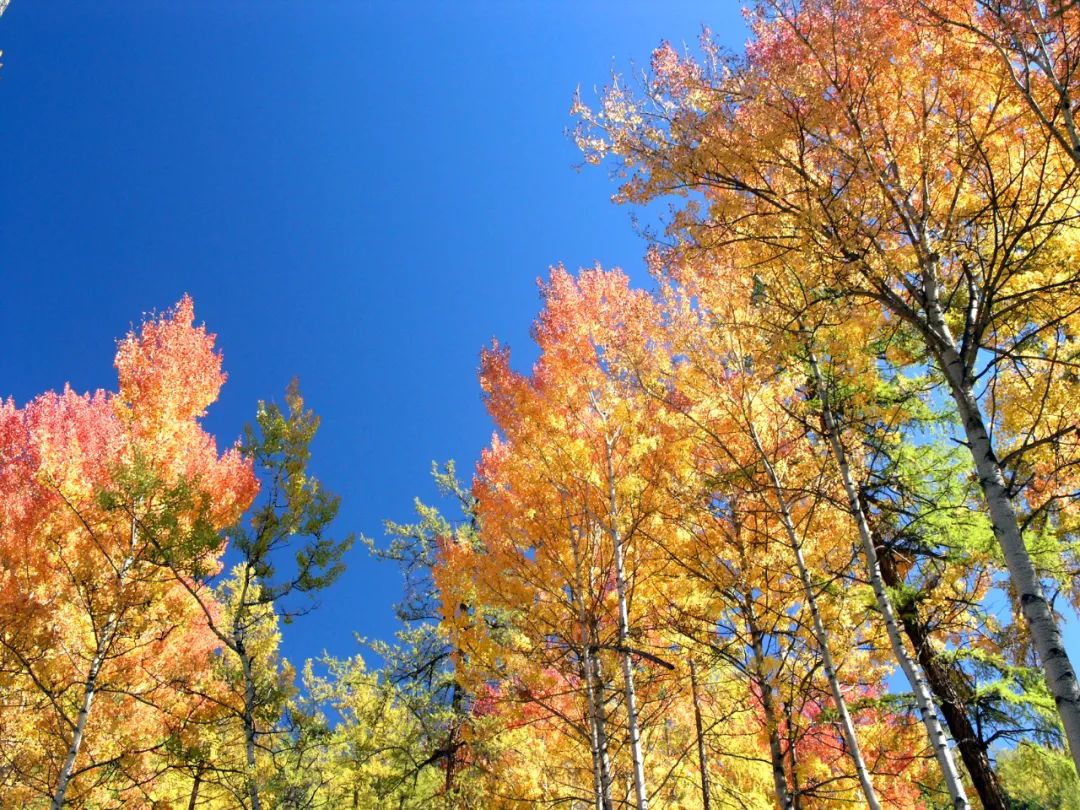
(950, 691)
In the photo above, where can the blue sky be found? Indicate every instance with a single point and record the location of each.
(359, 194)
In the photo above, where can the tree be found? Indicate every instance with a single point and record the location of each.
(564, 500)
(1037, 777)
(377, 744)
(1038, 46)
(99, 646)
(421, 666)
(907, 174)
(209, 766)
(292, 515)
(762, 475)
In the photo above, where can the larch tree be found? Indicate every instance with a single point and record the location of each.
(290, 519)
(421, 664)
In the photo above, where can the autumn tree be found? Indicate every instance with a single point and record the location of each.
(906, 172)
(208, 766)
(374, 743)
(98, 639)
(563, 498)
(1037, 777)
(766, 508)
(1038, 48)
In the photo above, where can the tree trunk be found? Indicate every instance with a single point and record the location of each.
(796, 786)
(820, 634)
(195, 790)
(89, 691)
(590, 709)
(923, 699)
(249, 728)
(944, 680)
(703, 762)
(451, 736)
(598, 746)
(105, 642)
(606, 779)
(1043, 628)
(772, 725)
(597, 733)
(632, 720)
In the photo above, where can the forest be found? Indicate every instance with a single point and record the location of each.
(797, 526)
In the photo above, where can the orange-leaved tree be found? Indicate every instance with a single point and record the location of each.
(905, 168)
(566, 498)
(98, 640)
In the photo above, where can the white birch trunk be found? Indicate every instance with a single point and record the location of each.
(632, 721)
(939, 741)
(820, 634)
(89, 691)
(1057, 668)
(594, 693)
(90, 687)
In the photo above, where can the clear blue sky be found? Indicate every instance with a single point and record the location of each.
(361, 194)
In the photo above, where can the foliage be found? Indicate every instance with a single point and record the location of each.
(838, 440)
(1037, 777)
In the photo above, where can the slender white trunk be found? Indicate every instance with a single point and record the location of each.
(632, 720)
(90, 687)
(939, 741)
(593, 691)
(820, 634)
(594, 737)
(602, 744)
(89, 691)
(703, 762)
(1057, 668)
